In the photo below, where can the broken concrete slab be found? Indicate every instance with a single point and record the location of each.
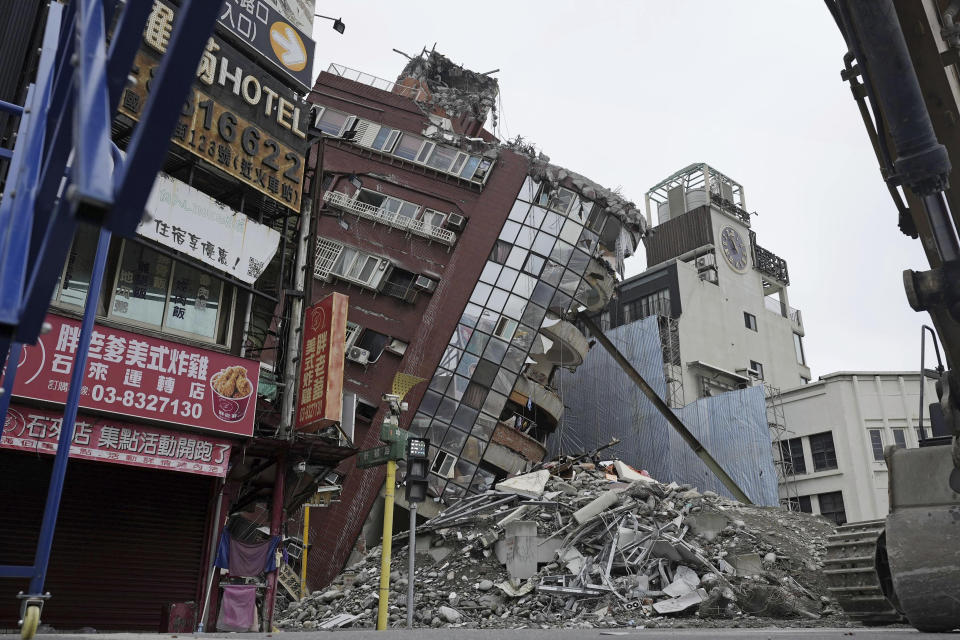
(628, 473)
(675, 605)
(685, 580)
(573, 560)
(529, 484)
(521, 549)
(606, 500)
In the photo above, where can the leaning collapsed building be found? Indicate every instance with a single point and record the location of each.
(464, 260)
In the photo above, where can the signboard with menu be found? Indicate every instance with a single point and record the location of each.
(137, 375)
(320, 388)
(108, 440)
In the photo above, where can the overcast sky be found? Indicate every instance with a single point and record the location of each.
(626, 93)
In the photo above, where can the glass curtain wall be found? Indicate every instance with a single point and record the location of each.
(536, 266)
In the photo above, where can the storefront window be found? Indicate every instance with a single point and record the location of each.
(194, 302)
(76, 274)
(151, 289)
(143, 279)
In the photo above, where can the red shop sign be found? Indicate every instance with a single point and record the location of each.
(320, 388)
(136, 375)
(106, 440)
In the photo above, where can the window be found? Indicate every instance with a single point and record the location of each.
(400, 284)
(75, 280)
(336, 259)
(605, 320)
(500, 251)
(800, 503)
(756, 369)
(824, 455)
(656, 303)
(333, 122)
(443, 464)
(798, 346)
(153, 290)
(408, 147)
(373, 341)
(353, 330)
(388, 203)
(831, 506)
(791, 452)
(385, 139)
(900, 438)
(433, 218)
(560, 200)
(442, 158)
(505, 328)
(876, 444)
(750, 321)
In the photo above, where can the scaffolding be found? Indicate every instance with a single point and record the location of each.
(672, 369)
(776, 419)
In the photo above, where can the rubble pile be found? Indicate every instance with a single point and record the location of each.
(590, 549)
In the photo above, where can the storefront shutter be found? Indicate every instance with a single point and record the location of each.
(128, 540)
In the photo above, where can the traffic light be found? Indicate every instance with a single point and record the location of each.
(416, 490)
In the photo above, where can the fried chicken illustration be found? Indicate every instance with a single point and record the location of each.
(232, 382)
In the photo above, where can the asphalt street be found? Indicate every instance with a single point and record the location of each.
(550, 634)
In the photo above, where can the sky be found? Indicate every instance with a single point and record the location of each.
(627, 92)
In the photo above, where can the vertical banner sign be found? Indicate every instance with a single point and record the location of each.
(320, 388)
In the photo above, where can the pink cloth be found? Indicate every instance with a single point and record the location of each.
(238, 609)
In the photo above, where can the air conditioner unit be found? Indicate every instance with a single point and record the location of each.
(706, 261)
(397, 347)
(710, 275)
(456, 222)
(425, 284)
(358, 355)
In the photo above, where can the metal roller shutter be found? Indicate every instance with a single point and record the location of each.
(128, 540)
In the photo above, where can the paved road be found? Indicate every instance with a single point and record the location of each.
(859, 633)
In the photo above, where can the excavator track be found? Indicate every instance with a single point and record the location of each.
(857, 575)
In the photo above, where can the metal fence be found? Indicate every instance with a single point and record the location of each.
(602, 403)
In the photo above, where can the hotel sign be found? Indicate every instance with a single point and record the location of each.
(238, 117)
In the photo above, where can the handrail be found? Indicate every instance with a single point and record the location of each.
(391, 218)
(377, 83)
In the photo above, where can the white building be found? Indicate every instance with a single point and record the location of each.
(732, 322)
(837, 429)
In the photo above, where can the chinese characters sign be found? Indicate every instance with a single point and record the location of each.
(320, 388)
(105, 440)
(136, 375)
(266, 31)
(237, 118)
(192, 222)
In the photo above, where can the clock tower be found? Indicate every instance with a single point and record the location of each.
(724, 293)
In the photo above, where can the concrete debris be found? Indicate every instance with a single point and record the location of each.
(586, 551)
(529, 484)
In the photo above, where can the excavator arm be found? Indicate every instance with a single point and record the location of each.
(902, 67)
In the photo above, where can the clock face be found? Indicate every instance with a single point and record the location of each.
(733, 248)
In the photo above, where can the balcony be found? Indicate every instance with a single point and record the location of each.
(545, 399)
(417, 227)
(569, 347)
(769, 263)
(774, 305)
